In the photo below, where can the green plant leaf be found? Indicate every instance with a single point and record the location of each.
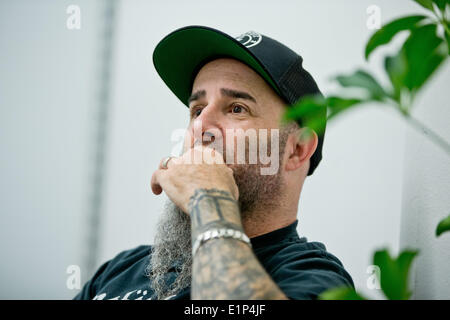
(362, 79)
(389, 30)
(310, 111)
(394, 273)
(339, 104)
(396, 69)
(443, 226)
(419, 57)
(441, 4)
(423, 55)
(427, 4)
(341, 293)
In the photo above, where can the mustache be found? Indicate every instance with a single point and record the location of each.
(218, 146)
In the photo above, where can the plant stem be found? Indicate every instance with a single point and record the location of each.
(430, 133)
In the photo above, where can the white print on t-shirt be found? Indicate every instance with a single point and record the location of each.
(132, 295)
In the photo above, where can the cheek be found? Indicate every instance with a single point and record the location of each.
(188, 139)
(231, 142)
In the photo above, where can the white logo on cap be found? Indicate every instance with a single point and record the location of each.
(249, 39)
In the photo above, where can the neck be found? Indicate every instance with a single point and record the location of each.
(268, 218)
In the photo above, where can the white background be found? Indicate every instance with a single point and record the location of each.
(49, 81)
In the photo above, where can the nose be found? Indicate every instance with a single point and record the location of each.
(207, 126)
(208, 136)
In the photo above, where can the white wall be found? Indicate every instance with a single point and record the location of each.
(426, 200)
(48, 87)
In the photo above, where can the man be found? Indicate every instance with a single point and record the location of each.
(229, 228)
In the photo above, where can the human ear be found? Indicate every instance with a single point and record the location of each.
(300, 147)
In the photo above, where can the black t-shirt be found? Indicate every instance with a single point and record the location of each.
(301, 269)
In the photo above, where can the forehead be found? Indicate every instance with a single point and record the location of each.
(231, 71)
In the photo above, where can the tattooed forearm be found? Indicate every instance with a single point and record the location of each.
(225, 268)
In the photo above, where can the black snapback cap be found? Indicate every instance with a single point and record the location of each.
(181, 54)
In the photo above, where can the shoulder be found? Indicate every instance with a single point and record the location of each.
(126, 259)
(307, 254)
(305, 269)
(132, 254)
(295, 250)
(134, 258)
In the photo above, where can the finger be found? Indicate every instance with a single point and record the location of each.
(155, 185)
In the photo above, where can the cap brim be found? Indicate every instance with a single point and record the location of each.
(179, 56)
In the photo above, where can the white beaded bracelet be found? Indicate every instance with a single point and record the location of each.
(219, 233)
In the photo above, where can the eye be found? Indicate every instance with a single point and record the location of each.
(237, 109)
(195, 112)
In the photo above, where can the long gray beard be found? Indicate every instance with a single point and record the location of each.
(172, 244)
(173, 236)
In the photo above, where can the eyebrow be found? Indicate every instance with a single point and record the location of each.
(197, 95)
(225, 92)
